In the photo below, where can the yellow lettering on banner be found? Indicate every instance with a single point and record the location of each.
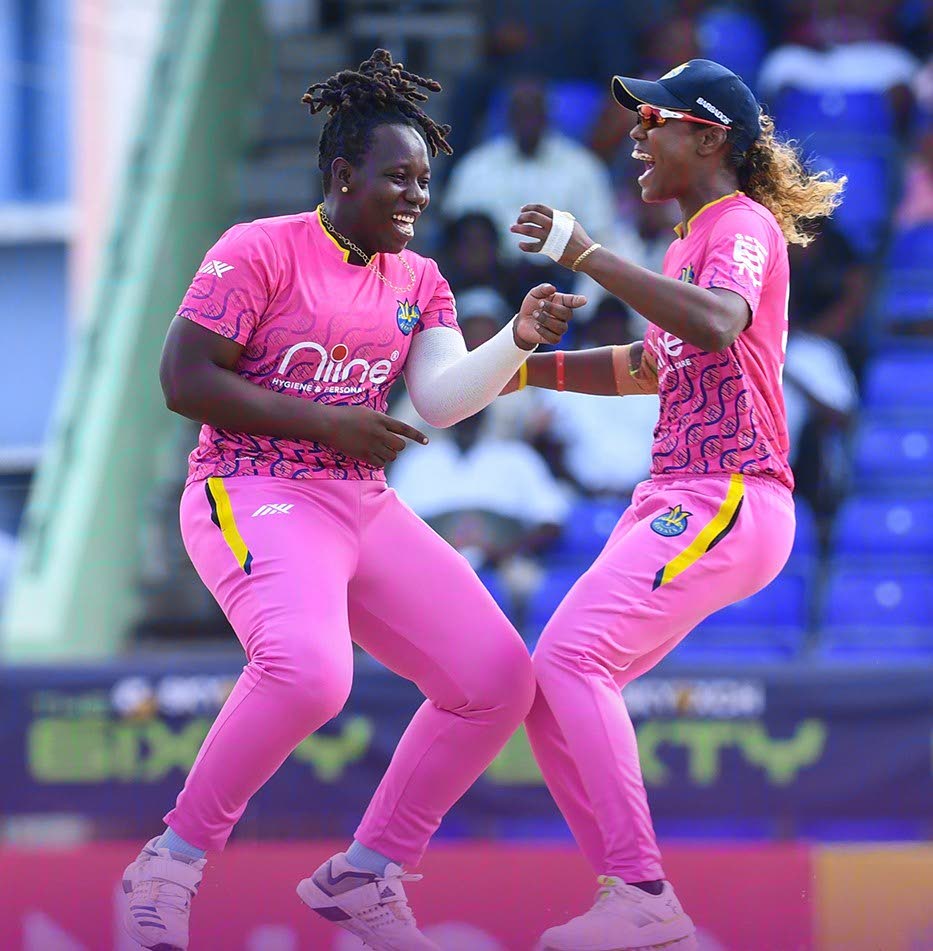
(97, 749)
(329, 755)
(703, 741)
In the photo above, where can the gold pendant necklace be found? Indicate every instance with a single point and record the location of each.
(370, 260)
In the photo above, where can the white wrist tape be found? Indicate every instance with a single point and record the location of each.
(559, 235)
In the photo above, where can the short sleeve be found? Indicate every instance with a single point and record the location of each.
(231, 290)
(738, 255)
(441, 309)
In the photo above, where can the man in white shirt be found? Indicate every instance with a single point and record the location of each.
(492, 498)
(531, 164)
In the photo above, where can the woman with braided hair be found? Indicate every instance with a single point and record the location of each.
(715, 522)
(285, 347)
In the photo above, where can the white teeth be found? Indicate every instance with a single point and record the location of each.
(406, 219)
(642, 156)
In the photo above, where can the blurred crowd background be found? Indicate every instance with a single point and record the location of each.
(136, 132)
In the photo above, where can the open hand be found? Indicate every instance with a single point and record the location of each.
(534, 221)
(544, 316)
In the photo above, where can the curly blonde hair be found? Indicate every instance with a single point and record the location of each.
(773, 173)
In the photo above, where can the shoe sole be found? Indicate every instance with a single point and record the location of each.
(678, 944)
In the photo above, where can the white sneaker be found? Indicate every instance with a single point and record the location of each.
(625, 918)
(160, 886)
(373, 907)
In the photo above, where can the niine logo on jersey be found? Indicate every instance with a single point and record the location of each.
(217, 268)
(333, 373)
(672, 522)
(407, 316)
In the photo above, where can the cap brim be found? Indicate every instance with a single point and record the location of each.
(631, 93)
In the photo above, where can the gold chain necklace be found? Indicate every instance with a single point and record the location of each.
(370, 261)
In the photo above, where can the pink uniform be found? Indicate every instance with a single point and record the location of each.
(311, 325)
(724, 412)
(713, 525)
(301, 546)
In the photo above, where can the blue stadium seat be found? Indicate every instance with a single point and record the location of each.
(557, 581)
(588, 525)
(869, 525)
(573, 106)
(872, 173)
(769, 626)
(878, 612)
(910, 248)
(904, 299)
(906, 287)
(893, 454)
(900, 380)
(806, 540)
(735, 38)
(494, 584)
(803, 112)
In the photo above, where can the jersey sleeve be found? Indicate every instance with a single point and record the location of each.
(441, 309)
(738, 255)
(232, 288)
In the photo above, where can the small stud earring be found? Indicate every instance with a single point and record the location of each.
(344, 189)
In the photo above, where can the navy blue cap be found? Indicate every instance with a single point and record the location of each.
(703, 89)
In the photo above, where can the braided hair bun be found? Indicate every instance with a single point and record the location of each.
(357, 101)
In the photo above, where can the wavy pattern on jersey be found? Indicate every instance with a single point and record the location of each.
(229, 315)
(708, 423)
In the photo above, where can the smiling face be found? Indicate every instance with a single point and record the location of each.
(679, 156)
(669, 152)
(387, 190)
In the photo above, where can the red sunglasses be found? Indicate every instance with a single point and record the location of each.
(650, 117)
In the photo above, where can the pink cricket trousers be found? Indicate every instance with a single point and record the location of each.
(684, 549)
(303, 567)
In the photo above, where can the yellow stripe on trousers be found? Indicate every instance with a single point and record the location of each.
(711, 533)
(222, 516)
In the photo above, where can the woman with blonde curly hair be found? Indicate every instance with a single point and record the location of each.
(715, 521)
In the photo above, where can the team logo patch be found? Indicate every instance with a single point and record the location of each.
(671, 523)
(407, 316)
(676, 71)
(688, 274)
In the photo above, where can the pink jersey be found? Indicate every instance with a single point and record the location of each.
(724, 412)
(312, 325)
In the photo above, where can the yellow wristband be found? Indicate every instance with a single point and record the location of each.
(585, 255)
(523, 376)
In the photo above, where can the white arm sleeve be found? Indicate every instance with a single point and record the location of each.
(447, 383)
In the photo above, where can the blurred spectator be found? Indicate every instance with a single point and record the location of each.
(479, 312)
(916, 207)
(532, 163)
(642, 235)
(492, 499)
(469, 258)
(829, 286)
(659, 50)
(843, 47)
(584, 40)
(601, 445)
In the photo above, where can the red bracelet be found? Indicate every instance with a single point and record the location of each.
(559, 358)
